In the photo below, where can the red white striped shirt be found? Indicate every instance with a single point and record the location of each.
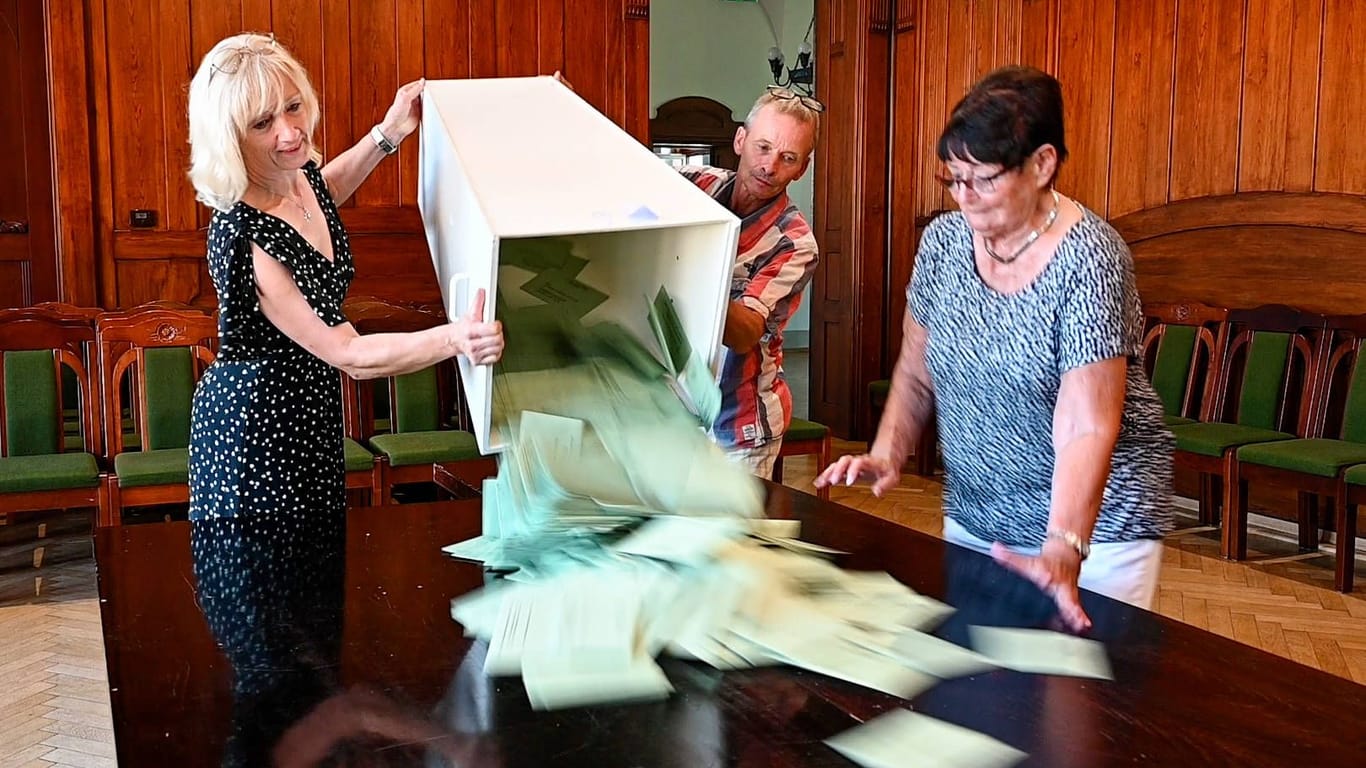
(775, 260)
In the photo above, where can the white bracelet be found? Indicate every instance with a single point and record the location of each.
(382, 141)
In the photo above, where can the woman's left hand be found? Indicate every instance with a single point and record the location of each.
(1054, 570)
(406, 112)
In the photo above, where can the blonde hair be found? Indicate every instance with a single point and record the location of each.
(792, 106)
(242, 78)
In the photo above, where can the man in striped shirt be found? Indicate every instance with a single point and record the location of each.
(775, 260)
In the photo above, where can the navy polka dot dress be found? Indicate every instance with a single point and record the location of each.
(266, 427)
(267, 481)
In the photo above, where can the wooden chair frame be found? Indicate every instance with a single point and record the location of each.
(122, 339)
(820, 447)
(1218, 474)
(1337, 353)
(379, 317)
(70, 340)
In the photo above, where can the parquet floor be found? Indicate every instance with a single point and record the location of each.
(54, 704)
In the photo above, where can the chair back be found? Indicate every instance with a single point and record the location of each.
(1179, 353)
(422, 401)
(1340, 394)
(1267, 369)
(38, 349)
(163, 352)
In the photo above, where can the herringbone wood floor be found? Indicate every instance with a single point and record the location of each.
(54, 703)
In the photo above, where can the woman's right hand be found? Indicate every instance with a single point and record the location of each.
(847, 470)
(477, 340)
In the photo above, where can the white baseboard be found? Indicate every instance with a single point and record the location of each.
(1276, 528)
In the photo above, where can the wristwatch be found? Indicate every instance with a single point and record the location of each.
(382, 141)
(1071, 539)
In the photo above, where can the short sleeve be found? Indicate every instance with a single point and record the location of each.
(775, 290)
(1096, 317)
(920, 293)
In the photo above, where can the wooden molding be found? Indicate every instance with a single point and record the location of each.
(1239, 251)
(638, 10)
(1319, 210)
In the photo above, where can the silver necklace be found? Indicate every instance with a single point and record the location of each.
(298, 201)
(1033, 237)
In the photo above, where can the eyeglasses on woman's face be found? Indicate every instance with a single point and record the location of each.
(982, 185)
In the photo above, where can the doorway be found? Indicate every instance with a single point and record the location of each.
(28, 257)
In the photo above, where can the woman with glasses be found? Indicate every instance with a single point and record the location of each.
(1022, 333)
(266, 458)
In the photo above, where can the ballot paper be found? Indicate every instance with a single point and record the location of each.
(933, 655)
(1042, 651)
(903, 739)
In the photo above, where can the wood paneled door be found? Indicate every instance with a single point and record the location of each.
(142, 54)
(28, 261)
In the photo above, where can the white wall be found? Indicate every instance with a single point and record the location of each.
(719, 49)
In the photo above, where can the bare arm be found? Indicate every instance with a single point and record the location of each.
(909, 405)
(911, 399)
(345, 172)
(1085, 428)
(744, 327)
(373, 355)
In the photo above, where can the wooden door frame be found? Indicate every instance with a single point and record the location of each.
(39, 268)
(849, 292)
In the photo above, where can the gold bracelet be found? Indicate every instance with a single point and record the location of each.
(1071, 539)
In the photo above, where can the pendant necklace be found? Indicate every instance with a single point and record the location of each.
(1033, 236)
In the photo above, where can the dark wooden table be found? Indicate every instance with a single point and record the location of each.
(1181, 696)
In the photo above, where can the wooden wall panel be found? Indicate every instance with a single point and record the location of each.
(136, 112)
(135, 60)
(72, 156)
(1280, 88)
(1340, 162)
(1141, 112)
(1209, 57)
(1086, 45)
(374, 78)
(1166, 100)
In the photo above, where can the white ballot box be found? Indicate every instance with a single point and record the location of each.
(523, 159)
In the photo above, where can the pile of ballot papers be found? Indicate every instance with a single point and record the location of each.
(584, 625)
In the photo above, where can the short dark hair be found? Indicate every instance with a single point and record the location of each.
(1006, 116)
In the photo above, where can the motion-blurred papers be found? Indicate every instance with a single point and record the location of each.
(904, 739)
(1042, 652)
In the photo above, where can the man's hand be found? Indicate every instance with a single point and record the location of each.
(744, 327)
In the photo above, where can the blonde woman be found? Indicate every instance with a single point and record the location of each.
(267, 470)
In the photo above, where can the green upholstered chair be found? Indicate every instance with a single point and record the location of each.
(1260, 393)
(1316, 465)
(1178, 355)
(161, 353)
(427, 413)
(801, 439)
(925, 455)
(362, 465)
(1353, 495)
(37, 470)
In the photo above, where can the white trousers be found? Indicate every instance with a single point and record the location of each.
(759, 459)
(1126, 571)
